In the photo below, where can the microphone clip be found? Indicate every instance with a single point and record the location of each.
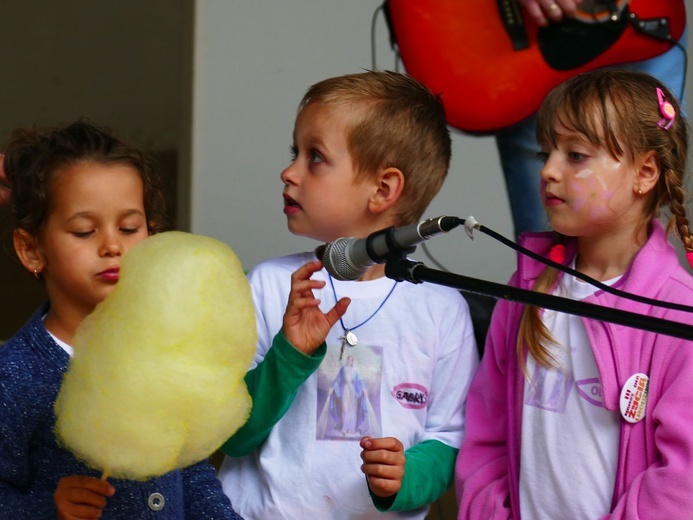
(401, 269)
(393, 247)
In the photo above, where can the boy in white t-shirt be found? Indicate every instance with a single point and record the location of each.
(384, 394)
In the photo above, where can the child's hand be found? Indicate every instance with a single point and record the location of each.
(80, 497)
(305, 325)
(383, 465)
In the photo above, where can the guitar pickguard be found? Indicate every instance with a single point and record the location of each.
(571, 43)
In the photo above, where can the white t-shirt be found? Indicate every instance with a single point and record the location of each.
(407, 377)
(570, 441)
(67, 348)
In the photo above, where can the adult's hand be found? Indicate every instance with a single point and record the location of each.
(545, 11)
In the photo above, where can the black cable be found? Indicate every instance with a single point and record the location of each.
(374, 60)
(654, 28)
(374, 19)
(432, 259)
(578, 274)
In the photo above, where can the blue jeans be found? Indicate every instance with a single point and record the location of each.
(517, 145)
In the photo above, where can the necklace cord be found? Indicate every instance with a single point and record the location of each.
(341, 321)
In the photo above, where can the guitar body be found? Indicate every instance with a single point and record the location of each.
(462, 50)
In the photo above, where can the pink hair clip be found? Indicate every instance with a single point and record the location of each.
(666, 109)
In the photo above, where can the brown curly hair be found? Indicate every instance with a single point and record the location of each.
(33, 155)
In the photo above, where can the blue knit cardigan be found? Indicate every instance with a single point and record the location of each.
(31, 462)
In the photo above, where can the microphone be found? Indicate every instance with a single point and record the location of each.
(349, 258)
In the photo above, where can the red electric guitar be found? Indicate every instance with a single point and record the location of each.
(493, 67)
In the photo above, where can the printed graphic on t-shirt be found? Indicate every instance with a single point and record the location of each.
(590, 390)
(411, 395)
(349, 393)
(549, 389)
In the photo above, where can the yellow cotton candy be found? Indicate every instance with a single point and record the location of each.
(156, 381)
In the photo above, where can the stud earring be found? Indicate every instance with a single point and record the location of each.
(36, 275)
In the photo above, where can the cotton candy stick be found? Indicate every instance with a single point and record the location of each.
(156, 380)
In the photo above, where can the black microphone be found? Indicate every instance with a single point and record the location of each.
(349, 258)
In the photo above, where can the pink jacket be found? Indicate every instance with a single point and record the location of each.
(655, 466)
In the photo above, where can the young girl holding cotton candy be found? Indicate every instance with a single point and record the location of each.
(570, 417)
(80, 199)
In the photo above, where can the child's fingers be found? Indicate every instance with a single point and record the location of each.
(82, 482)
(383, 471)
(302, 303)
(383, 464)
(305, 287)
(388, 457)
(306, 270)
(301, 284)
(337, 311)
(384, 443)
(79, 512)
(302, 292)
(81, 497)
(383, 487)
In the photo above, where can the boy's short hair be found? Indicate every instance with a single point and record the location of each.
(397, 123)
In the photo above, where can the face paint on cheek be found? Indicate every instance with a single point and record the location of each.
(580, 189)
(601, 207)
(602, 181)
(609, 173)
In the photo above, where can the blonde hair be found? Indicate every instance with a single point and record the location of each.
(397, 122)
(619, 111)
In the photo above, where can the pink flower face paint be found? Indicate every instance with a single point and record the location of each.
(583, 186)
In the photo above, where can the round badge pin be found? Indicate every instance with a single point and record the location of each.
(633, 401)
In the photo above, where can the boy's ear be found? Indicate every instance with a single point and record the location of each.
(389, 188)
(28, 251)
(647, 174)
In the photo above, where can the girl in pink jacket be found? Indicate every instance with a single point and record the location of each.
(577, 418)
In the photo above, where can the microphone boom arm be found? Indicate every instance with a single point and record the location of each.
(400, 269)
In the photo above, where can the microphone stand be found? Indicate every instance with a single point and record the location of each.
(400, 268)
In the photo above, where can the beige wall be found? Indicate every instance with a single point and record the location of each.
(253, 62)
(120, 63)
